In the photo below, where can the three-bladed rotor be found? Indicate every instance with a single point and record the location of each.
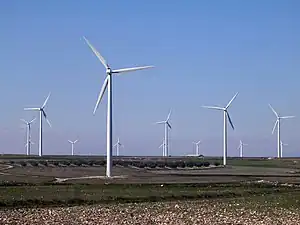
(225, 109)
(42, 109)
(109, 72)
(167, 120)
(278, 118)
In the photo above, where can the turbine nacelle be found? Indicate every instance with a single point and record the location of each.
(109, 71)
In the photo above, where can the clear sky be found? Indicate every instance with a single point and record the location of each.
(204, 52)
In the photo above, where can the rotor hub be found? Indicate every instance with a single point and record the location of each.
(108, 71)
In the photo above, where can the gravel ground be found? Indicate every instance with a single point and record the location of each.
(175, 213)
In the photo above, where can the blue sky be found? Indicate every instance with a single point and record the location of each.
(204, 52)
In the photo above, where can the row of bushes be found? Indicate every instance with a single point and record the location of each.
(137, 163)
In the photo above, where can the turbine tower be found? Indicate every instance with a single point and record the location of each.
(28, 135)
(197, 147)
(108, 85)
(226, 115)
(118, 144)
(42, 113)
(281, 147)
(163, 147)
(241, 145)
(277, 123)
(72, 146)
(167, 127)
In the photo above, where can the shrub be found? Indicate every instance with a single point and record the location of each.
(22, 163)
(172, 165)
(217, 164)
(78, 163)
(198, 164)
(34, 163)
(67, 163)
(43, 163)
(189, 164)
(180, 164)
(152, 165)
(141, 164)
(55, 163)
(160, 164)
(206, 164)
(100, 162)
(91, 163)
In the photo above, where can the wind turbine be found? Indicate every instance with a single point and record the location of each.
(281, 147)
(42, 113)
(163, 147)
(167, 127)
(241, 148)
(28, 135)
(118, 144)
(197, 147)
(108, 85)
(277, 123)
(226, 115)
(72, 146)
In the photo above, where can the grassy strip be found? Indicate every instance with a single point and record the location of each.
(67, 195)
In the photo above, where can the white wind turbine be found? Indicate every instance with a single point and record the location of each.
(197, 147)
(277, 123)
(226, 115)
(163, 147)
(28, 135)
(72, 146)
(281, 147)
(167, 127)
(108, 85)
(118, 145)
(241, 145)
(42, 113)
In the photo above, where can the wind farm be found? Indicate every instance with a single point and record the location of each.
(135, 94)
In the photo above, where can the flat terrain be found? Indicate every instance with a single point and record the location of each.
(246, 211)
(147, 190)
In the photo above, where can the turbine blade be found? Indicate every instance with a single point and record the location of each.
(45, 115)
(49, 123)
(98, 55)
(287, 117)
(230, 121)
(32, 142)
(115, 144)
(168, 117)
(131, 69)
(104, 86)
(169, 125)
(35, 109)
(213, 107)
(32, 120)
(273, 110)
(229, 103)
(75, 141)
(24, 121)
(45, 102)
(70, 141)
(274, 126)
(160, 122)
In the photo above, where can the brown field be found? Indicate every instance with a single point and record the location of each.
(103, 201)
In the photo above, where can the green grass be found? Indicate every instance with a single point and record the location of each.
(54, 195)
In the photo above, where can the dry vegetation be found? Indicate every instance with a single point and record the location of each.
(192, 191)
(233, 211)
